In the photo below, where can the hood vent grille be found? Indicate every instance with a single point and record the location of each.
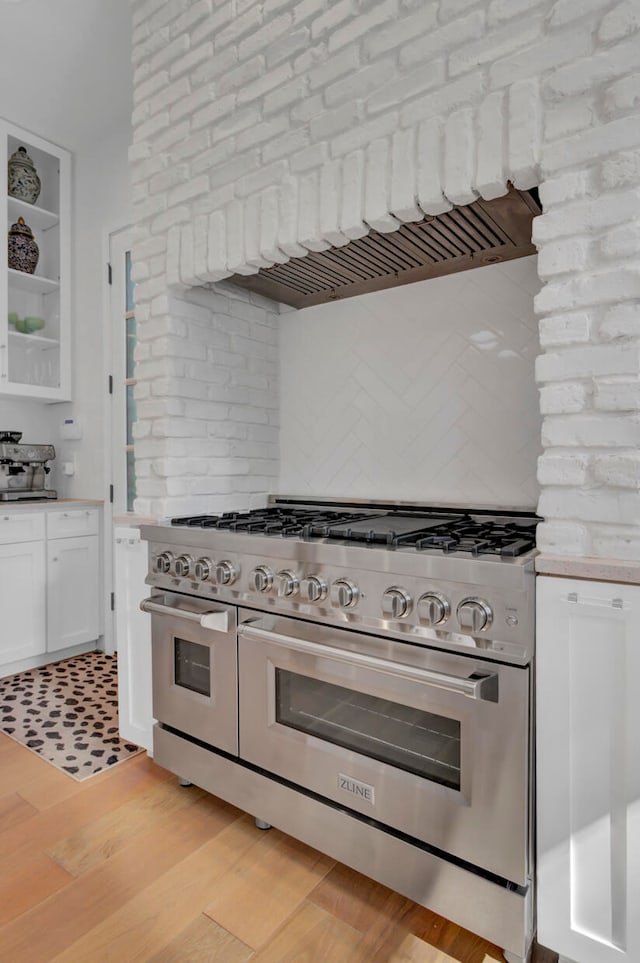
(465, 237)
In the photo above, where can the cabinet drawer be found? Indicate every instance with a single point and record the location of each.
(72, 523)
(21, 527)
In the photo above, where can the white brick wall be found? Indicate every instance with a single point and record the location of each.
(265, 128)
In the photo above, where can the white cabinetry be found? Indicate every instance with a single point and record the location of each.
(133, 639)
(73, 578)
(22, 587)
(37, 364)
(588, 769)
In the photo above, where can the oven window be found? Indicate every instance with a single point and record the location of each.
(411, 739)
(192, 666)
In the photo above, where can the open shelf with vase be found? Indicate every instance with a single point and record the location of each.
(35, 297)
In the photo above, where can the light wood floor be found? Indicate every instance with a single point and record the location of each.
(129, 866)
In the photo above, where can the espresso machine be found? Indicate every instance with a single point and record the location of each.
(23, 468)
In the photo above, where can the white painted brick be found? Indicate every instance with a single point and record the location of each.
(148, 128)
(190, 146)
(450, 9)
(288, 46)
(331, 68)
(587, 216)
(496, 44)
(216, 69)
(563, 468)
(563, 538)
(590, 505)
(567, 11)
(621, 470)
(385, 12)
(425, 77)
(424, 44)
(352, 196)
(403, 203)
(361, 83)
(239, 27)
(150, 86)
(598, 430)
(195, 11)
(155, 43)
(269, 210)
(212, 158)
(569, 116)
(460, 157)
(588, 361)
(328, 125)
(235, 236)
(623, 96)
(567, 255)
(251, 211)
(525, 123)
(313, 157)
(171, 136)
(603, 287)
(491, 178)
(623, 20)
(377, 176)
(565, 329)
(330, 203)
(288, 219)
(588, 146)
(190, 60)
(469, 89)
(613, 541)
(285, 145)
(308, 231)
(541, 58)
(264, 177)
(617, 394)
(501, 10)
(580, 75)
(262, 38)
(285, 95)
(394, 33)
(622, 242)
(267, 82)
(363, 134)
(622, 169)
(430, 182)
(621, 321)
(564, 398)
(337, 13)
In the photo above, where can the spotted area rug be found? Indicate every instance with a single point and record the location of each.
(67, 712)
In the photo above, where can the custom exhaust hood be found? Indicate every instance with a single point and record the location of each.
(477, 234)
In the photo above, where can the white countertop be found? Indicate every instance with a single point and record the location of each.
(595, 569)
(49, 504)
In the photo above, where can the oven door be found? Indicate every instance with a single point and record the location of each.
(194, 667)
(431, 744)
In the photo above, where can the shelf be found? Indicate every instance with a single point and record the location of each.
(33, 340)
(33, 215)
(32, 282)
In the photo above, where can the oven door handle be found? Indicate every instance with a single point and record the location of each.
(483, 688)
(216, 621)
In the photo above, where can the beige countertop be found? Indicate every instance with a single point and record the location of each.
(595, 569)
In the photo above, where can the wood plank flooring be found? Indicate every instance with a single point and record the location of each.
(128, 866)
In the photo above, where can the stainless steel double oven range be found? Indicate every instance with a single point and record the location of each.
(360, 677)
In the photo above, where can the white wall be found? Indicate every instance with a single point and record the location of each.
(423, 392)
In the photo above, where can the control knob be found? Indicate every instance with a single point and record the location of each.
(396, 603)
(202, 569)
(344, 593)
(262, 578)
(474, 615)
(288, 584)
(182, 566)
(226, 573)
(163, 562)
(433, 608)
(313, 589)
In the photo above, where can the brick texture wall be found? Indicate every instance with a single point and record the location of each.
(265, 129)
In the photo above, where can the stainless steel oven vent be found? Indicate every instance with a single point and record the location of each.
(481, 233)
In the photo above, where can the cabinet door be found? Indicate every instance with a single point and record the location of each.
(133, 638)
(73, 596)
(22, 601)
(588, 770)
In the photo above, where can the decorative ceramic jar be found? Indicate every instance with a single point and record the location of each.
(23, 250)
(23, 181)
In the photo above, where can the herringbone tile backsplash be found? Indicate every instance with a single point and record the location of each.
(424, 392)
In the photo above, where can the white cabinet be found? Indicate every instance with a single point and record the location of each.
(22, 600)
(133, 638)
(588, 769)
(36, 363)
(73, 578)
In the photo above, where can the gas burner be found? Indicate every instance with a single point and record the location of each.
(423, 530)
